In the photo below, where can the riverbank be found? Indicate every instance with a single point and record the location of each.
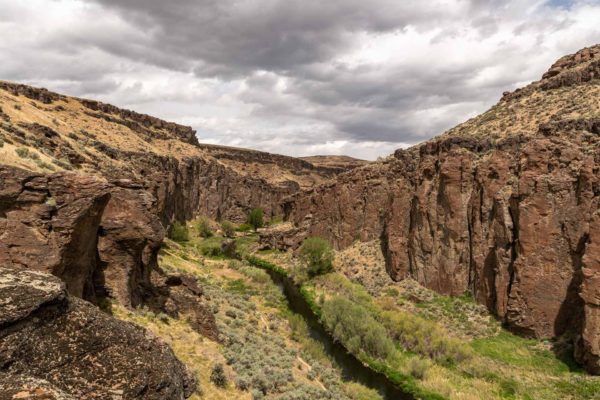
(404, 383)
(449, 346)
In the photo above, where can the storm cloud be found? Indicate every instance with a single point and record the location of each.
(295, 77)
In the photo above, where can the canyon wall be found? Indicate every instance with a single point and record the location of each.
(504, 207)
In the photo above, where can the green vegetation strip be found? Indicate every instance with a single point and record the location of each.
(405, 382)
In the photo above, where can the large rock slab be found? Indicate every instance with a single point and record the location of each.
(78, 350)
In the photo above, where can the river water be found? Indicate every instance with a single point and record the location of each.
(352, 368)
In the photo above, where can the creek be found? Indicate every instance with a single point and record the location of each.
(352, 368)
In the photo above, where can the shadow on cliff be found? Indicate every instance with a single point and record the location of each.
(568, 324)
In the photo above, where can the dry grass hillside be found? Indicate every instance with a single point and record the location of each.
(559, 96)
(339, 162)
(44, 131)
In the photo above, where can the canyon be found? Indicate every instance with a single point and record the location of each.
(505, 207)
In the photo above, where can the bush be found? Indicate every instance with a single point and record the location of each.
(244, 228)
(179, 232)
(1, 142)
(63, 163)
(228, 229)
(45, 165)
(204, 228)
(217, 376)
(353, 326)
(417, 367)
(255, 218)
(22, 152)
(211, 250)
(424, 337)
(356, 391)
(316, 255)
(242, 383)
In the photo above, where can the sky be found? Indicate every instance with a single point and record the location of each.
(353, 77)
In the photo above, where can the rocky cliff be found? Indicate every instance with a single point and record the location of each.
(505, 206)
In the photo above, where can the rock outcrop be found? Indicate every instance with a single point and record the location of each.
(50, 223)
(504, 206)
(179, 296)
(54, 346)
(130, 236)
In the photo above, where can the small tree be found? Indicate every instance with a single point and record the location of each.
(217, 376)
(316, 255)
(228, 229)
(204, 228)
(178, 232)
(255, 218)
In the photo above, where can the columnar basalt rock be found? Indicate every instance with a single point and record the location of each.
(129, 240)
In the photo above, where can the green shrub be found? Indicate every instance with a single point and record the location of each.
(22, 152)
(244, 227)
(417, 367)
(63, 163)
(316, 255)
(424, 337)
(179, 232)
(228, 229)
(211, 249)
(45, 165)
(357, 391)
(204, 228)
(256, 274)
(218, 377)
(255, 218)
(229, 249)
(1, 142)
(353, 326)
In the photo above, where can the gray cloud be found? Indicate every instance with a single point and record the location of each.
(294, 76)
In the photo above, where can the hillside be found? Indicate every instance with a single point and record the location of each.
(88, 192)
(504, 206)
(341, 163)
(46, 132)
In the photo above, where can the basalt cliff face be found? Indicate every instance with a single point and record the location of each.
(505, 206)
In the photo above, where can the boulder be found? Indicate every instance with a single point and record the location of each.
(67, 348)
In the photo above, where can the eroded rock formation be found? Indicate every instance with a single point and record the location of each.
(62, 347)
(50, 223)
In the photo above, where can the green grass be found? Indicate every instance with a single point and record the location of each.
(246, 243)
(521, 352)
